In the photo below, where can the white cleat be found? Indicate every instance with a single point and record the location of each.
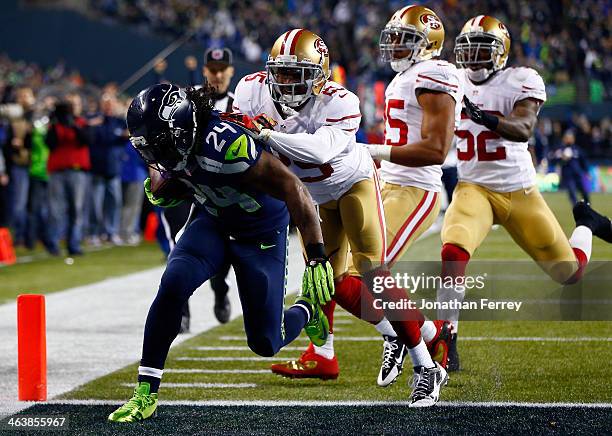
(427, 384)
(394, 353)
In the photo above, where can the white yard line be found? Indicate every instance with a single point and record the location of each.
(216, 371)
(354, 403)
(201, 385)
(239, 348)
(228, 359)
(96, 329)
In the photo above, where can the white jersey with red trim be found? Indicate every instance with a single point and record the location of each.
(334, 107)
(484, 157)
(404, 115)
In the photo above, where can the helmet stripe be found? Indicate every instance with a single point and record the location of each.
(482, 19)
(286, 49)
(294, 41)
(282, 48)
(406, 9)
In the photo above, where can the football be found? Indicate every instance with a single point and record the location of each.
(168, 187)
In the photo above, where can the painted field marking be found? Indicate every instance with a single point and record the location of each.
(229, 359)
(216, 371)
(355, 403)
(238, 348)
(343, 321)
(462, 338)
(203, 385)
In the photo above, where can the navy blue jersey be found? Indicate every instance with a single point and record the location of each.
(224, 154)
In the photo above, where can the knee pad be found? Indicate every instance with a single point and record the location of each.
(456, 234)
(176, 282)
(262, 346)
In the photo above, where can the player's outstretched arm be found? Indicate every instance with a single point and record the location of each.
(319, 147)
(269, 175)
(517, 127)
(437, 129)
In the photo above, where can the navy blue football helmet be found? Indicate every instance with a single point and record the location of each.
(161, 121)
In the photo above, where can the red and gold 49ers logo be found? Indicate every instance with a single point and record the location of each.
(432, 21)
(321, 47)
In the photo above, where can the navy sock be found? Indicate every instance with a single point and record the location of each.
(153, 382)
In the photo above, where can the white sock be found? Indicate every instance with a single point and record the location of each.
(384, 327)
(428, 330)
(420, 355)
(151, 372)
(327, 350)
(450, 293)
(582, 239)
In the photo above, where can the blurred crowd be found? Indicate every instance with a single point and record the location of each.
(67, 169)
(568, 42)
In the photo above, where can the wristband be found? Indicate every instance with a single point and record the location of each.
(379, 151)
(315, 251)
(490, 121)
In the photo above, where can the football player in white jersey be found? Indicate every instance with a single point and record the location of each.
(422, 109)
(312, 123)
(496, 173)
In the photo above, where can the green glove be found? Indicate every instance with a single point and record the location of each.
(161, 202)
(318, 281)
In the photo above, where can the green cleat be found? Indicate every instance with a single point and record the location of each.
(317, 328)
(141, 406)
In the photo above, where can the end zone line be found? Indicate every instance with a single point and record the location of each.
(356, 403)
(462, 338)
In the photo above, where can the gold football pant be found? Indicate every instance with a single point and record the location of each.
(523, 213)
(355, 221)
(409, 212)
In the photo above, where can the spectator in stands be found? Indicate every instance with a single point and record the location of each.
(574, 167)
(108, 134)
(17, 154)
(38, 208)
(4, 180)
(133, 174)
(68, 165)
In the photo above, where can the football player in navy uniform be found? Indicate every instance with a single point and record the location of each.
(244, 197)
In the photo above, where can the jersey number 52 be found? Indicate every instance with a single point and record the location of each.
(481, 146)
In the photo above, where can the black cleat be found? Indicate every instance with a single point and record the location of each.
(585, 215)
(394, 353)
(223, 308)
(453, 355)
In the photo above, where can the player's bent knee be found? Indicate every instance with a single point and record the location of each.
(177, 281)
(263, 346)
(457, 235)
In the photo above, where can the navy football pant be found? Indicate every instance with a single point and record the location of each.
(260, 266)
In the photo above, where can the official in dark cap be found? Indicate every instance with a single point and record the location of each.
(218, 71)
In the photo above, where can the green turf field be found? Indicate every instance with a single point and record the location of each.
(48, 274)
(495, 371)
(556, 362)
